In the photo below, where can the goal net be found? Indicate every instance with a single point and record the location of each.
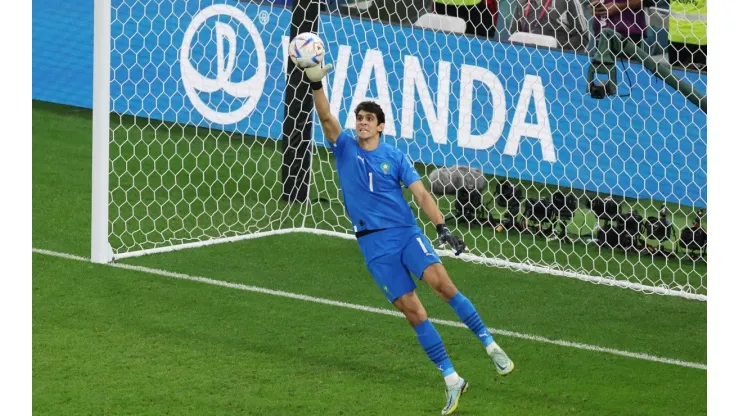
(202, 135)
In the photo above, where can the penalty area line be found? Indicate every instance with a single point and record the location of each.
(382, 311)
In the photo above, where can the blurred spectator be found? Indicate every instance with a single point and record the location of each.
(480, 15)
(564, 20)
(626, 17)
(687, 33)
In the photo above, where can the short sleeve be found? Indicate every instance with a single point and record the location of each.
(408, 172)
(340, 144)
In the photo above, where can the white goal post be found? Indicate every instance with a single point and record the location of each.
(101, 251)
(190, 146)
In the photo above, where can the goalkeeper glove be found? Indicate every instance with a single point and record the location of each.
(445, 236)
(316, 73)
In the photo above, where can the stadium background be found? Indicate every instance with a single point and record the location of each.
(118, 349)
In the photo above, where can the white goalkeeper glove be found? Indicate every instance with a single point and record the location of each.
(316, 73)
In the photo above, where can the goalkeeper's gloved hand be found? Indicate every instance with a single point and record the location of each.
(445, 236)
(316, 73)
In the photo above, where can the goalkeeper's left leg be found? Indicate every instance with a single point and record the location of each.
(436, 276)
(467, 313)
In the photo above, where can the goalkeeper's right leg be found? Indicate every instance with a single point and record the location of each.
(431, 342)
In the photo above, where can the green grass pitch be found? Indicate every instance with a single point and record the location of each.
(119, 341)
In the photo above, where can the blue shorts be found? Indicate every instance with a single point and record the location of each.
(394, 254)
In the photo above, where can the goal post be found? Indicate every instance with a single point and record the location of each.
(100, 250)
(203, 133)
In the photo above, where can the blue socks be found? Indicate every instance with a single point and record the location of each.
(469, 316)
(432, 343)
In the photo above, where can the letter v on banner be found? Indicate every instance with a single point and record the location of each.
(373, 62)
(339, 77)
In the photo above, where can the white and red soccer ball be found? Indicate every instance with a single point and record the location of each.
(306, 50)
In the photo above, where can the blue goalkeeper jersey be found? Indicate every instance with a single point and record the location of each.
(371, 184)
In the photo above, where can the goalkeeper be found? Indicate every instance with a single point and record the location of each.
(370, 177)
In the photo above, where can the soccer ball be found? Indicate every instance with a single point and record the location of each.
(306, 50)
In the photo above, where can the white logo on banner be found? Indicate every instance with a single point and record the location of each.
(226, 55)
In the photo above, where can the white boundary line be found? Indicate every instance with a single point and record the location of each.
(389, 312)
(466, 257)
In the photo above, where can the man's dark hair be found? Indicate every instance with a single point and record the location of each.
(371, 107)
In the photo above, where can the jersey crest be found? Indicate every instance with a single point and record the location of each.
(385, 166)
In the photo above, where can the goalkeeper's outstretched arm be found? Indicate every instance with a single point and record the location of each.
(329, 124)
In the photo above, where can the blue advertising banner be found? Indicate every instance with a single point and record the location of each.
(449, 99)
